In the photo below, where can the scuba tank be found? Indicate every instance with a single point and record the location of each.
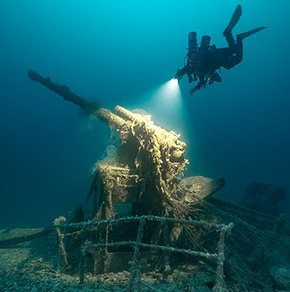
(205, 40)
(192, 48)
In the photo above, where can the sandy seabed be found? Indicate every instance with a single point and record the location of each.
(33, 266)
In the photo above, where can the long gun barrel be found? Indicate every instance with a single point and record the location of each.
(91, 108)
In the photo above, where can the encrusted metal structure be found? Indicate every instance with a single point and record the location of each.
(143, 180)
(88, 247)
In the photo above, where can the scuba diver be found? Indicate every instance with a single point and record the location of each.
(204, 61)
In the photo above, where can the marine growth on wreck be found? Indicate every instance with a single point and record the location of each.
(145, 214)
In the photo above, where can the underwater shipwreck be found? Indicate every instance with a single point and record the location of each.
(144, 216)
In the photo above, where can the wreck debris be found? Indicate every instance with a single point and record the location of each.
(257, 219)
(135, 264)
(201, 186)
(60, 237)
(135, 269)
(281, 274)
(221, 258)
(264, 198)
(14, 236)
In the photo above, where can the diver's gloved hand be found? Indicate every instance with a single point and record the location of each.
(179, 74)
(201, 83)
(193, 90)
(214, 78)
(190, 79)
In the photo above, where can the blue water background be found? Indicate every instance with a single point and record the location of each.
(118, 53)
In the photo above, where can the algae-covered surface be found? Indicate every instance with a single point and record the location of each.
(33, 266)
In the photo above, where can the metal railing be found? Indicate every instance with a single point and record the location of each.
(135, 265)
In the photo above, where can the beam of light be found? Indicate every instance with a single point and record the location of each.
(164, 103)
(168, 110)
(168, 97)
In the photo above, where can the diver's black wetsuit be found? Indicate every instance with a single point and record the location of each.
(224, 57)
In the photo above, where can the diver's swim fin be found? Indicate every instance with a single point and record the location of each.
(234, 20)
(241, 36)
